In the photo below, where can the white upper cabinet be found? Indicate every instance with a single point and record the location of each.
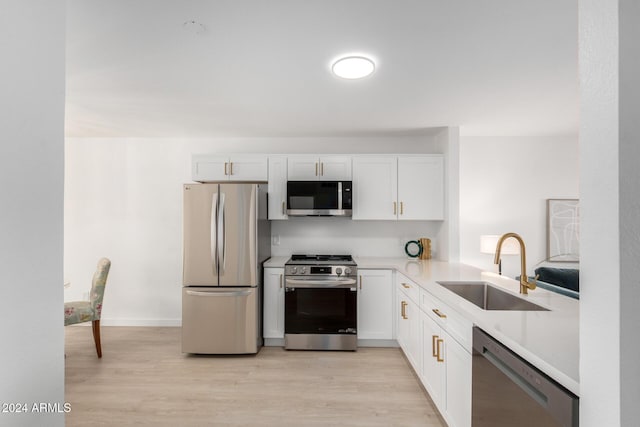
(402, 188)
(314, 168)
(421, 188)
(375, 187)
(208, 168)
(277, 187)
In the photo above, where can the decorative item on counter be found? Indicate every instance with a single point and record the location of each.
(413, 248)
(426, 248)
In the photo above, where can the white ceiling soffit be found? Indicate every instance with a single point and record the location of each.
(188, 68)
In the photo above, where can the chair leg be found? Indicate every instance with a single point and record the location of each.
(96, 336)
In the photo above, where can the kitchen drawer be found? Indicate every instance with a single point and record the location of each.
(407, 286)
(455, 324)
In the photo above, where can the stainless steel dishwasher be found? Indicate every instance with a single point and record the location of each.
(509, 391)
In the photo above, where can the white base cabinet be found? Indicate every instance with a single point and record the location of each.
(375, 304)
(446, 373)
(426, 328)
(273, 307)
(409, 328)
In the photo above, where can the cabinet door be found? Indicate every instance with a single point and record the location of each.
(248, 168)
(375, 187)
(375, 309)
(458, 376)
(303, 168)
(409, 330)
(414, 353)
(402, 323)
(433, 371)
(273, 312)
(335, 168)
(421, 188)
(205, 168)
(277, 187)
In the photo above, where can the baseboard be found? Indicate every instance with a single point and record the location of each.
(274, 342)
(279, 342)
(141, 322)
(378, 343)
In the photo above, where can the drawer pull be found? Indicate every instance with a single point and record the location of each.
(281, 277)
(439, 357)
(439, 313)
(360, 282)
(403, 313)
(225, 168)
(282, 208)
(404, 285)
(434, 352)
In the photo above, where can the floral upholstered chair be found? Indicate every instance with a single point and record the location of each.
(89, 311)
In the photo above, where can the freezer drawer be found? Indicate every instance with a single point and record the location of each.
(220, 320)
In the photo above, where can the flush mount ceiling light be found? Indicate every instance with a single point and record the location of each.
(353, 67)
(194, 27)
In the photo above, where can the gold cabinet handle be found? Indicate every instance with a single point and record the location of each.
(321, 169)
(231, 168)
(316, 168)
(283, 207)
(360, 282)
(434, 352)
(439, 356)
(281, 276)
(439, 313)
(395, 207)
(404, 285)
(401, 208)
(403, 313)
(225, 168)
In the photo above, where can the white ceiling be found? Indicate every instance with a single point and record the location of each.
(261, 68)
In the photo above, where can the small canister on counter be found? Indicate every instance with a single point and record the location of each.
(426, 248)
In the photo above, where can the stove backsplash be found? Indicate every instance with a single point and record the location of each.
(343, 235)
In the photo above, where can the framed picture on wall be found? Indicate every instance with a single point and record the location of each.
(563, 236)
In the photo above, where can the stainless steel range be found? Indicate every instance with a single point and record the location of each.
(321, 302)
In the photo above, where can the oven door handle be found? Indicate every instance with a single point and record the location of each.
(298, 283)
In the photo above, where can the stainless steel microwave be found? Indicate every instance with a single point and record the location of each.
(319, 198)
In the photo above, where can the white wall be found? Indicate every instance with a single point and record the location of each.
(123, 200)
(610, 244)
(31, 190)
(504, 184)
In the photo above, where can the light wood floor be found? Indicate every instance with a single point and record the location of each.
(144, 379)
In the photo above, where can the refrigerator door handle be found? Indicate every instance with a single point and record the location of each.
(221, 235)
(214, 233)
(219, 294)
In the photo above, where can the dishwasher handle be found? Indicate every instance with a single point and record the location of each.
(560, 403)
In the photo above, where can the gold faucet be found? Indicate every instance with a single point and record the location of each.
(525, 284)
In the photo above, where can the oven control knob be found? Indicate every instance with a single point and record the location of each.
(294, 270)
(303, 270)
(338, 271)
(347, 271)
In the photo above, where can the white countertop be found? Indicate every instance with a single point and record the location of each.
(549, 340)
(276, 262)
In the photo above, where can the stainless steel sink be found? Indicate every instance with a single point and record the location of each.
(488, 297)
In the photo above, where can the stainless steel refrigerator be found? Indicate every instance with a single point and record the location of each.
(226, 240)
